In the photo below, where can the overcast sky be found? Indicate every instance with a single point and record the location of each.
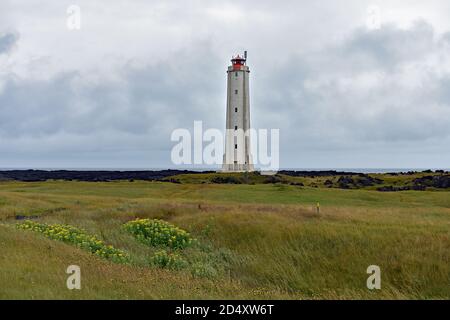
(345, 93)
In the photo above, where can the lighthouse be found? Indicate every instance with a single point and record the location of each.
(237, 156)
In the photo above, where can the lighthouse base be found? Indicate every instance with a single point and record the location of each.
(236, 167)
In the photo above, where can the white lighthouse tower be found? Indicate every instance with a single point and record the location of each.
(237, 155)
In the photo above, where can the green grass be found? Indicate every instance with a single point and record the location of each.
(254, 241)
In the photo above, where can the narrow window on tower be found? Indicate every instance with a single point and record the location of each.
(235, 109)
(235, 127)
(235, 146)
(236, 74)
(235, 92)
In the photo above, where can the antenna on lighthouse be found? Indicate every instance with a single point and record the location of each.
(245, 55)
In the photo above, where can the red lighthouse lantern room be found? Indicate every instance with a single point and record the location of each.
(238, 62)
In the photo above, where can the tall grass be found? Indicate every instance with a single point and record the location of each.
(261, 242)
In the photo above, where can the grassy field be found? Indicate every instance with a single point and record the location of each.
(254, 241)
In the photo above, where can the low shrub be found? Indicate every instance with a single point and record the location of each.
(203, 270)
(157, 232)
(77, 237)
(172, 261)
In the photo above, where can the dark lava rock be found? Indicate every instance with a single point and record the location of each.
(328, 183)
(93, 176)
(226, 180)
(360, 181)
(345, 182)
(311, 174)
(404, 188)
(368, 181)
(440, 181)
(274, 179)
(385, 189)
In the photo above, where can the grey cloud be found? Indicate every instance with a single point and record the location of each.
(368, 97)
(135, 110)
(7, 42)
(360, 91)
(388, 46)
